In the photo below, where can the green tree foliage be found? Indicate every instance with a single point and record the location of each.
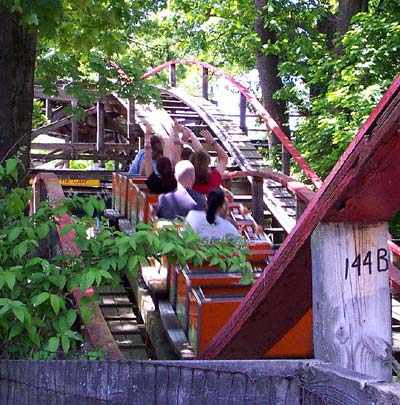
(75, 40)
(359, 76)
(332, 81)
(88, 35)
(221, 31)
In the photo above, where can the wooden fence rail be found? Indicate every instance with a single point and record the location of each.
(188, 382)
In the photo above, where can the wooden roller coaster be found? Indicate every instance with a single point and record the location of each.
(207, 313)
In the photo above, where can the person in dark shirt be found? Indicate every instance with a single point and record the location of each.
(164, 181)
(179, 202)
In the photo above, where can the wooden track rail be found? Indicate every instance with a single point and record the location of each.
(269, 121)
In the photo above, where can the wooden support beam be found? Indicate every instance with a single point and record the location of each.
(83, 146)
(172, 75)
(131, 120)
(242, 109)
(57, 124)
(49, 109)
(204, 86)
(74, 126)
(351, 297)
(257, 191)
(100, 128)
(87, 155)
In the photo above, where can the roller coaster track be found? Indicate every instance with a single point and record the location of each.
(359, 189)
(197, 113)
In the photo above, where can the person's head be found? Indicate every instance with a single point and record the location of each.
(164, 168)
(184, 173)
(186, 153)
(156, 147)
(216, 205)
(201, 162)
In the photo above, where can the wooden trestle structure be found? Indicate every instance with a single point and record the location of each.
(327, 284)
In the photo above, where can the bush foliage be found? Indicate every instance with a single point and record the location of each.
(37, 310)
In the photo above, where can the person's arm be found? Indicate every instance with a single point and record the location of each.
(147, 164)
(188, 134)
(221, 154)
(175, 144)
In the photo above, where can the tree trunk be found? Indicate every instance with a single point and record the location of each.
(347, 9)
(270, 82)
(17, 61)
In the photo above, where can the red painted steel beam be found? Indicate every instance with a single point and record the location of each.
(264, 114)
(283, 293)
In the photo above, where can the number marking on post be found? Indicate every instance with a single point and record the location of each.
(382, 262)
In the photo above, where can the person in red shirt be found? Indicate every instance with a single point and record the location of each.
(207, 178)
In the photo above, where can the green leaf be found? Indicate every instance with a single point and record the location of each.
(42, 230)
(14, 233)
(32, 19)
(105, 274)
(19, 313)
(10, 279)
(30, 232)
(132, 243)
(55, 302)
(71, 317)
(33, 335)
(87, 280)
(65, 343)
(143, 260)
(89, 209)
(15, 330)
(40, 298)
(62, 280)
(134, 271)
(247, 279)
(67, 229)
(133, 263)
(33, 262)
(54, 343)
(11, 168)
(215, 261)
(167, 248)
(85, 314)
(5, 308)
(22, 248)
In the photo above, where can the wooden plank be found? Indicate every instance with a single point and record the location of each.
(335, 385)
(74, 124)
(352, 321)
(131, 119)
(100, 127)
(257, 199)
(82, 146)
(204, 81)
(174, 330)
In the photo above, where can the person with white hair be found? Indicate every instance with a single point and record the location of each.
(179, 202)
